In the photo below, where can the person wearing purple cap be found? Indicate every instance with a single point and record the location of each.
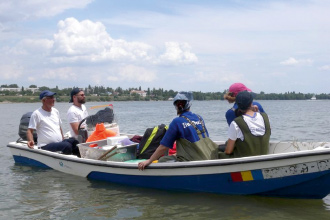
(230, 96)
(249, 133)
(47, 123)
(77, 112)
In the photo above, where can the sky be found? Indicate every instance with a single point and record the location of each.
(273, 46)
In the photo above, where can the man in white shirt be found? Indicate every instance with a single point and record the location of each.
(77, 112)
(249, 133)
(47, 123)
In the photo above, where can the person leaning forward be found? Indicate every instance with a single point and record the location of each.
(230, 96)
(189, 132)
(249, 133)
(47, 123)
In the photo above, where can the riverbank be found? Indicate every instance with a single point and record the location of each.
(34, 99)
(64, 99)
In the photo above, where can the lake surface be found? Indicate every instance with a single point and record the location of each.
(34, 193)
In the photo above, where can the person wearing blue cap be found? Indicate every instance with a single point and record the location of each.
(77, 112)
(189, 132)
(249, 133)
(47, 123)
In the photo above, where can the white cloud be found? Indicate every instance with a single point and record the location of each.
(10, 71)
(89, 41)
(80, 38)
(136, 73)
(32, 79)
(278, 74)
(112, 78)
(293, 62)
(227, 37)
(65, 73)
(33, 46)
(290, 61)
(134, 51)
(177, 53)
(18, 10)
(325, 67)
(217, 77)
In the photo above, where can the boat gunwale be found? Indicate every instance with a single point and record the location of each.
(181, 165)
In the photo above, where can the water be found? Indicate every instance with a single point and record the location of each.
(34, 193)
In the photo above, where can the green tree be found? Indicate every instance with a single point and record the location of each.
(13, 86)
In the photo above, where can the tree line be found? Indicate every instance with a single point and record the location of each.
(101, 93)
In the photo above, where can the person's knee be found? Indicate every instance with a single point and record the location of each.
(66, 148)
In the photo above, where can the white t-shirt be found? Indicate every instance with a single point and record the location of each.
(255, 123)
(47, 125)
(76, 114)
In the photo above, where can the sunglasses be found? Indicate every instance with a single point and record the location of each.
(50, 97)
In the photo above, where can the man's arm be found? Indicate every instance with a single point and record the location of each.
(62, 133)
(74, 126)
(230, 146)
(29, 135)
(160, 151)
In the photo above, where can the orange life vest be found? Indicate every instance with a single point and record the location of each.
(100, 133)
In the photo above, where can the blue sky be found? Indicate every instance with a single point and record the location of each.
(271, 46)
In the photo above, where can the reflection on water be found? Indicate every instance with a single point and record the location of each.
(33, 193)
(48, 194)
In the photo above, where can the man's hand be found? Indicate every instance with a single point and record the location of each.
(161, 149)
(143, 164)
(29, 135)
(255, 108)
(31, 144)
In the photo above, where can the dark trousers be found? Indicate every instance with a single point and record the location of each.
(67, 146)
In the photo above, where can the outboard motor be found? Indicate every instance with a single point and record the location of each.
(23, 127)
(105, 115)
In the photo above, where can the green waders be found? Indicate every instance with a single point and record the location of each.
(204, 149)
(252, 145)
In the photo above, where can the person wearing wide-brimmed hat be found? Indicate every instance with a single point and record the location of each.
(47, 123)
(230, 96)
(249, 133)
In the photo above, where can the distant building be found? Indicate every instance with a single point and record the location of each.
(33, 90)
(10, 89)
(141, 93)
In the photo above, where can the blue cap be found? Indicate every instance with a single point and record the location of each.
(46, 93)
(244, 100)
(74, 91)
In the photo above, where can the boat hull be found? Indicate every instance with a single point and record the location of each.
(304, 174)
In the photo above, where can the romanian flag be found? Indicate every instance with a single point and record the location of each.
(247, 176)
